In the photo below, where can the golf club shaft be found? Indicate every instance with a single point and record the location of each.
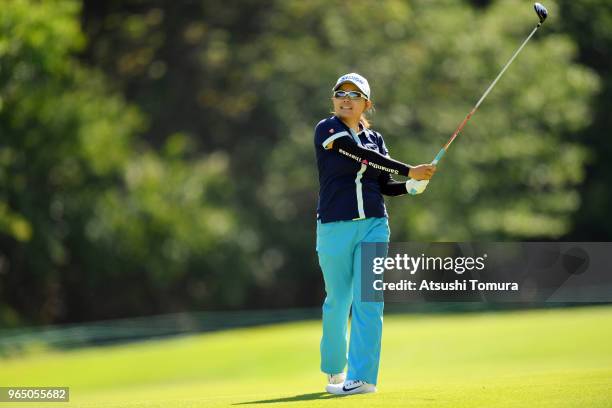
(469, 115)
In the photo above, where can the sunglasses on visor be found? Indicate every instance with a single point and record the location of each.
(349, 94)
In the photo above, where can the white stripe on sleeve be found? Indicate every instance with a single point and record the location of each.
(334, 137)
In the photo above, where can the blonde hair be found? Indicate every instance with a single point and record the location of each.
(364, 121)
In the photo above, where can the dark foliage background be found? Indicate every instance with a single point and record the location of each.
(157, 156)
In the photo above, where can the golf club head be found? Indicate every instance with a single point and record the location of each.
(540, 11)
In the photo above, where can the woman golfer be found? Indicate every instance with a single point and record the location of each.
(354, 173)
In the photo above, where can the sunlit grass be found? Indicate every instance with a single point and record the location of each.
(550, 358)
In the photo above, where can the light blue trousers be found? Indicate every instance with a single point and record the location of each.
(339, 250)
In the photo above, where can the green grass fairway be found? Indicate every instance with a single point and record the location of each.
(551, 358)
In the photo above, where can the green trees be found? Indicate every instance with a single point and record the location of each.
(589, 23)
(94, 223)
(201, 191)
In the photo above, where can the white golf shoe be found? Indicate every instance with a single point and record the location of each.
(350, 387)
(336, 378)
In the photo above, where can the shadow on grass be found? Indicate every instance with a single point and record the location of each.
(302, 397)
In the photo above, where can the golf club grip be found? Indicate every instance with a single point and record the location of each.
(438, 156)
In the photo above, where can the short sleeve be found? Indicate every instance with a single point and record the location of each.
(327, 131)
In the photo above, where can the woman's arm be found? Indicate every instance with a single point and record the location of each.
(390, 187)
(344, 145)
(347, 147)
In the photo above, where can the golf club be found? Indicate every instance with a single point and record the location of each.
(542, 14)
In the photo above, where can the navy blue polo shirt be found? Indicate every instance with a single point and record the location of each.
(348, 190)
